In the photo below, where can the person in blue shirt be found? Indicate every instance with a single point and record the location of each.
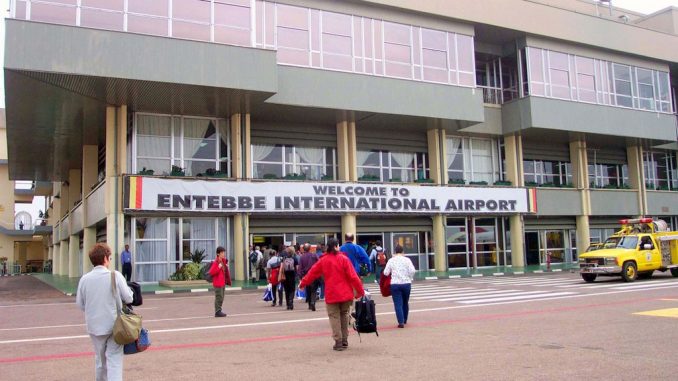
(126, 260)
(356, 254)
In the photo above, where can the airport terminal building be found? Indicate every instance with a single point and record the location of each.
(463, 133)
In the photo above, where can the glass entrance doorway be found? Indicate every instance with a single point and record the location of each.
(476, 242)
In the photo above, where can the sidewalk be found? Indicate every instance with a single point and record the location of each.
(68, 286)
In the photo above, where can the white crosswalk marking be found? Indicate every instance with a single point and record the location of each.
(543, 295)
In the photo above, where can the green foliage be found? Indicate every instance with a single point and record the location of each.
(478, 183)
(505, 183)
(270, 176)
(198, 255)
(177, 171)
(424, 181)
(457, 181)
(190, 271)
(369, 178)
(204, 270)
(294, 176)
(145, 171)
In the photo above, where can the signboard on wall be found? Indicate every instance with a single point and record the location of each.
(184, 195)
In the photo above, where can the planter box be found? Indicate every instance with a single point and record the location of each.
(184, 283)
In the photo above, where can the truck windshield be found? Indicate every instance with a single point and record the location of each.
(628, 242)
(611, 242)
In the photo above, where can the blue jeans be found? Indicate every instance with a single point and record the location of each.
(401, 300)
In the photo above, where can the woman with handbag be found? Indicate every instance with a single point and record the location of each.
(95, 298)
(402, 271)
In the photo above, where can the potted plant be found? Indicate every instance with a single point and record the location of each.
(457, 181)
(424, 181)
(177, 171)
(270, 176)
(146, 172)
(503, 183)
(477, 183)
(327, 178)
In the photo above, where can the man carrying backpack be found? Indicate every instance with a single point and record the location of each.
(289, 268)
(255, 259)
(308, 259)
(356, 254)
(378, 258)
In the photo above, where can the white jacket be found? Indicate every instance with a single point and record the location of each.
(95, 298)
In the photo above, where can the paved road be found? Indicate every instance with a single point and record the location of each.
(536, 327)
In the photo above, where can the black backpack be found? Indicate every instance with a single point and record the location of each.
(206, 275)
(365, 316)
(253, 257)
(137, 300)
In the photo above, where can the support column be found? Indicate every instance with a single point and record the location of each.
(89, 167)
(56, 259)
(348, 225)
(241, 161)
(73, 258)
(241, 234)
(89, 239)
(580, 176)
(116, 165)
(439, 243)
(517, 240)
(352, 148)
(343, 161)
(436, 155)
(513, 146)
(63, 255)
(637, 176)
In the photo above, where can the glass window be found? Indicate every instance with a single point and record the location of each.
(622, 85)
(189, 143)
(608, 175)
(547, 173)
(293, 162)
(472, 159)
(457, 243)
(392, 166)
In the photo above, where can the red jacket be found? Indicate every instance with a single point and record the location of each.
(340, 278)
(220, 277)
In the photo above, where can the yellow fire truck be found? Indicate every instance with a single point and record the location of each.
(642, 246)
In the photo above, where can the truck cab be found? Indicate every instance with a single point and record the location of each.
(636, 251)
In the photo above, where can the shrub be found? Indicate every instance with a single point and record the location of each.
(198, 255)
(190, 271)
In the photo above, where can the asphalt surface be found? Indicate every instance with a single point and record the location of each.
(538, 327)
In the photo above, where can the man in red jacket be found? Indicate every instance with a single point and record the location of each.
(221, 277)
(341, 286)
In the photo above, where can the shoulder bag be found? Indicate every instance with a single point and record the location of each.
(127, 325)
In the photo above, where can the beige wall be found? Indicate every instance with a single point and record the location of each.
(666, 21)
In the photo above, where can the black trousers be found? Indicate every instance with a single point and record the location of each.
(277, 294)
(290, 285)
(127, 271)
(312, 292)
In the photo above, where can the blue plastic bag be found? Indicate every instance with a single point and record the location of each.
(142, 343)
(301, 293)
(268, 294)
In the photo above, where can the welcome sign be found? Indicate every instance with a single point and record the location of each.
(183, 195)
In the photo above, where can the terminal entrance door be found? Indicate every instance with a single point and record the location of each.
(272, 241)
(532, 248)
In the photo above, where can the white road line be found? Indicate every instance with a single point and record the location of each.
(628, 285)
(645, 286)
(543, 295)
(490, 295)
(448, 294)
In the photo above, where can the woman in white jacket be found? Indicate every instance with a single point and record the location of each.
(402, 271)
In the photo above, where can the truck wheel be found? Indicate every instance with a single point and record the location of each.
(645, 275)
(589, 277)
(674, 272)
(629, 271)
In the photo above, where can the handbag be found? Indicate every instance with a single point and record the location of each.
(127, 325)
(281, 275)
(268, 294)
(385, 285)
(140, 345)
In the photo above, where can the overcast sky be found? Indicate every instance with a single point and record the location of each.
(643, 6)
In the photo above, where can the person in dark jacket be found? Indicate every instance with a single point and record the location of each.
(342, 284)
(221, 277)
(273, 269)
(308, 259)
(289, 267)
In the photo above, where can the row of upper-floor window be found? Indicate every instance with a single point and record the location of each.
(301, 36)
(194, 146)
(583, 79)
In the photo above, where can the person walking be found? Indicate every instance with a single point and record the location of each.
(221, 276)
(402, 271)
(273, 270)
(126, 260)
(356, 254)
(289, 267)
(378, 260)
(255, 258)
(342, 284)
(308, 259)
(94, 297)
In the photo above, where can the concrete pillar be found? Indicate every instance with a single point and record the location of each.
(352, 148)
(513, 165)
(436, 155)
(89, 239)
(56, 258)
(343, 161)
(240, 246)
(580, 177)
(517, 240)
(583, 233)
(73, 256)
(241, 161)
(90, 162)
(348, 225)
(74, 187)
(439, 243)
(116, 165)
(634, 155)
(63, 255)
